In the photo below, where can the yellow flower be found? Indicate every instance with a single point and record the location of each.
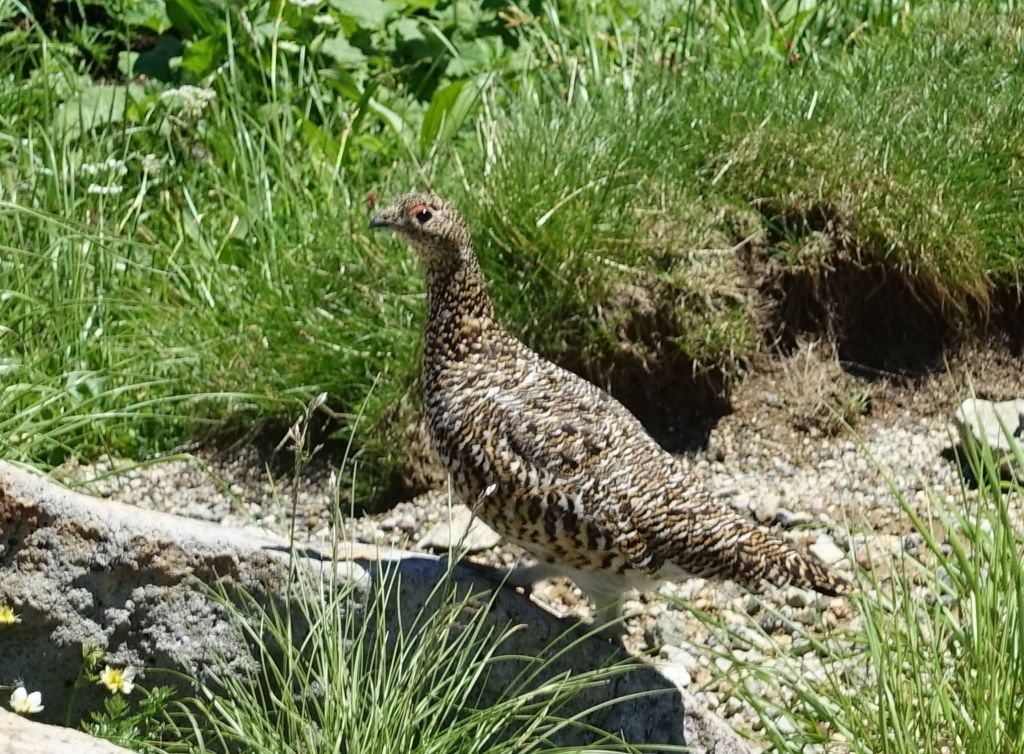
(8, 616)
(117, 680)
(25, 703)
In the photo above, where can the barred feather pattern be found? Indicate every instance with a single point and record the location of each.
(554, 463)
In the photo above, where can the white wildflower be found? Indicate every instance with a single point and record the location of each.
(152, 164)
(304, 3)
(288, 46)
(25, 703)
(191, 100)
(116, 166)
(117, 680)
(95, 188)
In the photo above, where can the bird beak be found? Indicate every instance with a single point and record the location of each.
(380, 221)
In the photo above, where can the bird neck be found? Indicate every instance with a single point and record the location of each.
(456, 290)
(460, 316)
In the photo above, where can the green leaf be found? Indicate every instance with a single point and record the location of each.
(319, 139)
(126, 60)
(389, 116)
(369, 14)
(195, 17)
(483, 54)
(341, 50)
(148, 14)
(95, 105)
(441, 106)
(204, 55)
(408, 30)
(342, 82)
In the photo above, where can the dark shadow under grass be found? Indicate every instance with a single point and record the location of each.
(883, 184)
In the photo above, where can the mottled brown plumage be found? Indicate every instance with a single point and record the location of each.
(554, 463)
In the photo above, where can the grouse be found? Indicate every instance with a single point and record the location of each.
(554, 463)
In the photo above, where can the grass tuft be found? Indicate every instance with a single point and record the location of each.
(934, 659)
(341, 665)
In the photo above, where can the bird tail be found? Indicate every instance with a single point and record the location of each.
(777, 562)
(734, 548)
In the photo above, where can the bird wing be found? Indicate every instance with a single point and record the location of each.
(563, 424)
(576, 453)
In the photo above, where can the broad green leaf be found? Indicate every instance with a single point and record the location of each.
(341, 50)
(407, 29)
(361, 107)
(149, 14)
(317, 138)
(126, 60)
(204, 55)
(196, 17)
(342, 82)
(393, 119)
(465, 17)
(95, 105)
(462, 107)
(369, 14)
(13, 38)
(482, 54)
(441, 105)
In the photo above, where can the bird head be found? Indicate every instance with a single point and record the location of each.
(429, 223)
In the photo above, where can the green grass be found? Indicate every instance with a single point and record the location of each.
(901, 157)
(168, 271)
(342, 670)
(935, 660)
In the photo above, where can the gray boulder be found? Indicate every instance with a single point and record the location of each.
(997, 424)
(19, 735)
(82, 571)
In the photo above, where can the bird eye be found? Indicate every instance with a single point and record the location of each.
(423, 215)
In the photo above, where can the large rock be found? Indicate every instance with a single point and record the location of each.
(86, 571)
(19, 735)
(998, 425)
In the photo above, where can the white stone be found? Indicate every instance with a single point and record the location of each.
(825, 550)
(985, 421)
(766, 509)
(785, 725)
(999, 425)
(463, 531)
